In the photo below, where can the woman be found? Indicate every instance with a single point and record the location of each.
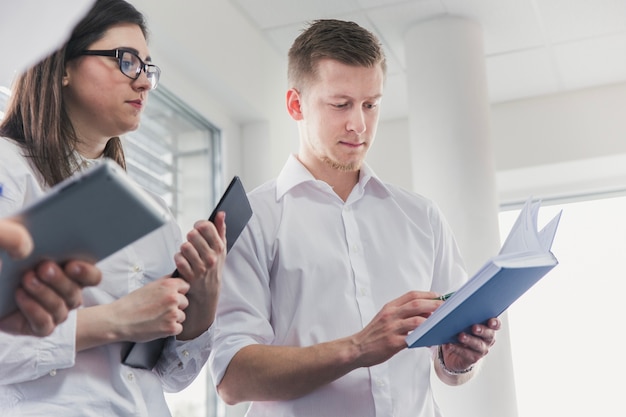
(69, 109)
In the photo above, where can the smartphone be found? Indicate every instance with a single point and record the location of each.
(238, 212)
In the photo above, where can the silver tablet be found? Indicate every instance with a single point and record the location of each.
(88, 216)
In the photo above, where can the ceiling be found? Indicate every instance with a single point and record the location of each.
(532, 47)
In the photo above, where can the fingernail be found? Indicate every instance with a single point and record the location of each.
(74, 268)
(47, 273)
(33, 282)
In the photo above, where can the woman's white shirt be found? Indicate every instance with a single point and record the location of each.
(45, 376)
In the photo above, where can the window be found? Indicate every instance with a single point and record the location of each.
(566, 331)
(176, 154)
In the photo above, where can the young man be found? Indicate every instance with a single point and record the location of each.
(336, 267)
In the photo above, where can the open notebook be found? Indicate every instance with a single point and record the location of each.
(524, 258)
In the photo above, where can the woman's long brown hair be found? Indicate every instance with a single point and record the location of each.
(35, 116)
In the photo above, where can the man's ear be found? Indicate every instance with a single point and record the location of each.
(294, 105)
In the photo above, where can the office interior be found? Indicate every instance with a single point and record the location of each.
(487, 102)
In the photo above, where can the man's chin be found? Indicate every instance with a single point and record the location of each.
(343, 167)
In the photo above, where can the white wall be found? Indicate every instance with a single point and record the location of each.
(560, 128)
(561, 145)
(570, 143)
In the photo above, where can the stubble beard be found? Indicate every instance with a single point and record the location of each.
(349, 167)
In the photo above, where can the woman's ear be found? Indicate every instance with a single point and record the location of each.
(69, 68)
(294, 104)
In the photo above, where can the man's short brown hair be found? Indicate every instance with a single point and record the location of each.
(343, 41)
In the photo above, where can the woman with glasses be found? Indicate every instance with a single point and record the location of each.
(66, 112)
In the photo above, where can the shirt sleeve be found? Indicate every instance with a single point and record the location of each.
(182, 361)
(25, 358)
(449, 273)
(244, 309)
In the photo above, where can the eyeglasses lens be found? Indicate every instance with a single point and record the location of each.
(131, 66)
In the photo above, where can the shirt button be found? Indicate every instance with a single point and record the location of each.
(186, 353)
(53, 372)
(380, 382)
(130, 376)
(136, 268)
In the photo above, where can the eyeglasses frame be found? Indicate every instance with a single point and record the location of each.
(118, 53)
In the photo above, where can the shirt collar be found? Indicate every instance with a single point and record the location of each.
(294, 174)
(80, 163)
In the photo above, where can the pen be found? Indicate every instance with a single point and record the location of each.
(444, 297)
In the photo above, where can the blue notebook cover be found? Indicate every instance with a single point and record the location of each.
(524, 259)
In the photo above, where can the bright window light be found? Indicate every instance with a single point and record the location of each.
(567, 332)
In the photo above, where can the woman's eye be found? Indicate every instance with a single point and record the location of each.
(126, 65)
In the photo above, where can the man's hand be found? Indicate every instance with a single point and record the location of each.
(468, 351)
(385, 335)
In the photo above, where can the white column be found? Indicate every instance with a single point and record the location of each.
(452, 160)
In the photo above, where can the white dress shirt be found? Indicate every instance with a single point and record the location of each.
(311, 268)
(46, 377)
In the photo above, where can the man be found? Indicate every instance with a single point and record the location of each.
(336, 267)
(47, 294)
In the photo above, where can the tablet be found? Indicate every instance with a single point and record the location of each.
(238, 212)
(88, 217)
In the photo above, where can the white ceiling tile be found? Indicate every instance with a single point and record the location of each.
(393, 22)
(566, 20)
(368, 4)
(521, 74)
(592, 62)
(274, 13)
(283, 37)
(508, 25)
(519, 37)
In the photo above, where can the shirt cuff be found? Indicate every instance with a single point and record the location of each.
(58, 351)
(179, 354)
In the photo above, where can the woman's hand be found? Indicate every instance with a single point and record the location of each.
(200, 262)
(152, 311)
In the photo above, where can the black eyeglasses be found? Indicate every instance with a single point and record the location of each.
(130, 64)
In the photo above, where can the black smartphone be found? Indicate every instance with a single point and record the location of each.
(238, 212)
